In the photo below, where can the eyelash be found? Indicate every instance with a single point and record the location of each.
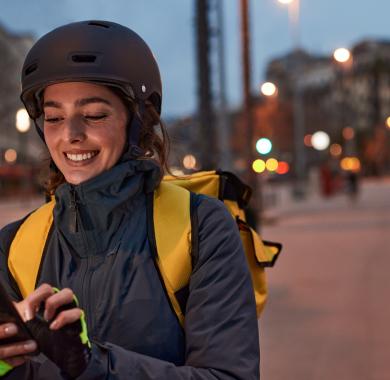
(99, 117)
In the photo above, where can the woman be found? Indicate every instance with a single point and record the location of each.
(94, 91)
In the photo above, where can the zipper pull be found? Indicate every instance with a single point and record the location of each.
(74, 211)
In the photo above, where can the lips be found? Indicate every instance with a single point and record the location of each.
(81, 156)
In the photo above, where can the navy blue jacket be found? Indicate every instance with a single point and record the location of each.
(101, 251)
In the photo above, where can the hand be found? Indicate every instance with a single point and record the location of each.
(60, 330)
(16, 354)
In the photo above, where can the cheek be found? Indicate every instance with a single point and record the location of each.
(115, 141)
(50, 139)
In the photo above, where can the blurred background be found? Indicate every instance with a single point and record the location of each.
(294, 97)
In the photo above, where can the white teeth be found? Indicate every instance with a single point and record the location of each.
(80, 157)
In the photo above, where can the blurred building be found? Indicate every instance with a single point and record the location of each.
(13, 49)
(354, 94)
(349, 101)
(19, 152)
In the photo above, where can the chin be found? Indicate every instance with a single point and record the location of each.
(76, 179)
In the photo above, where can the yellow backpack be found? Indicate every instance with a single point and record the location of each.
(172, 231)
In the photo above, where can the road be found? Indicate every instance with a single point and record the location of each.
(328, 311)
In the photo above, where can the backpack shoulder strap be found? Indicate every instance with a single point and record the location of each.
(172, 236)
(27, 247)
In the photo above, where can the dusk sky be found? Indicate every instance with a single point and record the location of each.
(168, 27)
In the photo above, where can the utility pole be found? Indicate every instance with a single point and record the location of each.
(248, 112)
(206, 138)
(224, 130)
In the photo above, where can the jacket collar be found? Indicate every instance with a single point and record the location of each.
(89, 215)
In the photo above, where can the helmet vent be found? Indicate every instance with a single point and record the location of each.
(95, 23)
(83, 58)
(30, 69)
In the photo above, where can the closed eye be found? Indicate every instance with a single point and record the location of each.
(53, 119)
(95, 117)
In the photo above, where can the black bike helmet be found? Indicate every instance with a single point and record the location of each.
(96, 51)
(101, 52)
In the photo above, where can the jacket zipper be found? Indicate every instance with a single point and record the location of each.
(74, 210)
(75, 227)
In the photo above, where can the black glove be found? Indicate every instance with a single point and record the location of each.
(69, 347)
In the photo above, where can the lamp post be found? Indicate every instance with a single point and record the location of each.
(298, 109)
(343, 60)
(254, 211)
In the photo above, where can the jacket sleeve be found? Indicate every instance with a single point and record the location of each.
(220, 323)
(6, 236)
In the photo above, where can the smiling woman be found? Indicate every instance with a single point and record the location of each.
(84, 128)
(89, 257)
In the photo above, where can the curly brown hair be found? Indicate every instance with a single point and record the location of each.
(154, 141)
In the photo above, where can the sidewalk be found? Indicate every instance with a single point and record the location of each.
(279, 202)
(15, 208)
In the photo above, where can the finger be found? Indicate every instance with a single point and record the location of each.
(30, 305)
(52, 303)
(7, 330)
(16, 361)
(66, 317)
(17, 349)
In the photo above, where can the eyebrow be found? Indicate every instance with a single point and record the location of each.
(79, 103)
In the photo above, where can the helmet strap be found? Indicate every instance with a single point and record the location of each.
(132, 148)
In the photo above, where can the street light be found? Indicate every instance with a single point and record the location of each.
(342, 55)
(320, 140)
(22, 121)
(268, 89)
(264, 145)
(285, 1)
(388, 122)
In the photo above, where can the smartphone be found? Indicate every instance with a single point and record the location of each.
(9, 314)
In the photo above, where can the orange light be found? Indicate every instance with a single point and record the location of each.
(189, 161)
(348, 133)
(336, 150)
(350, 164)
(271, 164)
(307, 141)
(258, 166)
(10, 156)
(283, 167)
(388, 122)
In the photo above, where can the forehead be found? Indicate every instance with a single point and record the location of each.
(72, 91)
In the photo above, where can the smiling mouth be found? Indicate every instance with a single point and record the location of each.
(80, 157)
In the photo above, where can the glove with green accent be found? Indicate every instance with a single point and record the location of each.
(69, 347)
(4, 368)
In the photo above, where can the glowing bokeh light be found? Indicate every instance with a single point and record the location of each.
(320, 140)
(348, 133)
(258, 166)
(268, 89)
(271, 164)
(10, 156)
(189, 161)
(388, 122)
(350, 164)
(342, 55)
(336, 150)
(264, 145)
(22, 121)
(283, 167)
(307, 140)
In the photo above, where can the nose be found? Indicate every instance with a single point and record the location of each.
(75, 130)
